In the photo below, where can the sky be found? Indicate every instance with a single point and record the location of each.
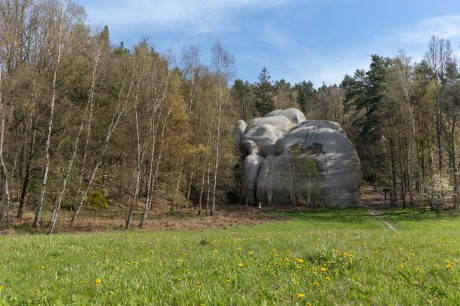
(296, 40)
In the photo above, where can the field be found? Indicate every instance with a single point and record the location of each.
(321, 257)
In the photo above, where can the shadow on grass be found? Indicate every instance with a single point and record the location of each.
(348, 216)
(410, 215)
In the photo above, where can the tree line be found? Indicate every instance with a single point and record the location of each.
(84, 123)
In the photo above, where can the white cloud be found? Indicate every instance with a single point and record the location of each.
(198, 16)
(447, 27)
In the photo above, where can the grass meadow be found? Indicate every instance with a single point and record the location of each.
(321, 257)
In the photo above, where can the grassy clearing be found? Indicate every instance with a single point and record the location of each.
(322, 257)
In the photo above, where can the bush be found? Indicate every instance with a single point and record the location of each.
(96, 200)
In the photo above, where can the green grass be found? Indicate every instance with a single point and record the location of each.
(363, 262)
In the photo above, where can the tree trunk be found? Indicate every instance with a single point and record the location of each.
(39, 211)
(27, 174)
(6, 196)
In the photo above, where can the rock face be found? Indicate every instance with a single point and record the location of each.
(299, 162)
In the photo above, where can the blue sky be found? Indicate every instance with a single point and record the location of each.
(316, 40)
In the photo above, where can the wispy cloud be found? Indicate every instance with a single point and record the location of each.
(447, 27)
(164, 15)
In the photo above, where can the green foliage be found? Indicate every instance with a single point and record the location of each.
(322, 257)
(96, 200)
(264, 94)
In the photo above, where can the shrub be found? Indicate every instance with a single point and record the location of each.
(96, 200)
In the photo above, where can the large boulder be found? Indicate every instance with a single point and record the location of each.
(280, 122)
(264, 136)
(312, 163)
(251, 168)
(293, 114)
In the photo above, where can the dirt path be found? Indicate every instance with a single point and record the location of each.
(375, 202)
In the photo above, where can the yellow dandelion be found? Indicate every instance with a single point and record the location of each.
(328, 278)
(136, 263)
(216, 251)
(300, 260)
(308, 304)
(313, 270)
(316, 284)
(417, 270)
(42, 267)
(400, 266)
(199, 286)
(84, 282)
(180, 260)
(239, 249)
(323, 270)
(299, 267)
(345, 255)
(117, 269)
(277, 255)
(250, 253)
(37, 291)
(300, 295)
(240, 265)
(436, 266)
(228, 281)
(98, 281)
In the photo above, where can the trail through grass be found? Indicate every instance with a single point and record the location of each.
(321, 257)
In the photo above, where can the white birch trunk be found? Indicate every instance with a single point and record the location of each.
(7, 199)
(119, 112)
(39, 211)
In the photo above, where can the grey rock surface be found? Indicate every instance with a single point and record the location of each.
(251, 168)
(240, 128)
(280, 122)
(316, 163)
(311, 163)
(249, 147)
(265, 136)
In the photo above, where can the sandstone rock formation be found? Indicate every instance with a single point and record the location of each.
(292, 161)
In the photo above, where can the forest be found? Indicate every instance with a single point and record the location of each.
(86, 123)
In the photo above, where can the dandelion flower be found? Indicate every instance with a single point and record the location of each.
(2, 286)
(315, 284)
(216, 251)
(37, 291)
(98, 281)
(42, 267)
(300, 295)
(400, 266)
(300, 260)
(323, 270)
(250, 253)
(240, 265)
(328, 278)
(84, 282)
